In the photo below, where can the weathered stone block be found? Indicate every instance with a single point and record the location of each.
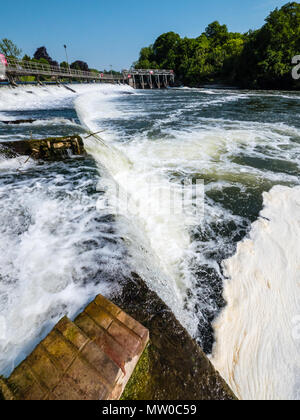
(87, 380)
(107, 305)
(101, 317)
(44, 370)
(90, 359)
(72, 333)
(67, 390)
(104, 341)
(61, 352)
(24, 384)
(5, 392)
(126, 338)
(102, 363)
(136, 327)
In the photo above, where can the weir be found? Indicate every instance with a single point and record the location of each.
(149, 79)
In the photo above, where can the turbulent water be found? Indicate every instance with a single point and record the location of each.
(71, 230)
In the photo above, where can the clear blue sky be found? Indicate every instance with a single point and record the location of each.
(113, 32)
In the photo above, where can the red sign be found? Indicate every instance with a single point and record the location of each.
(129, 76)
(3, 60)
(101, 75)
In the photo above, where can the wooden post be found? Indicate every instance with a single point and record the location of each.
(12, 81)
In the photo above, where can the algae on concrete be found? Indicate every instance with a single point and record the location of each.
(173, 367)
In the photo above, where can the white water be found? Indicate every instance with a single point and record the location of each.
(151, 199)
(47, 221)
(258, 342)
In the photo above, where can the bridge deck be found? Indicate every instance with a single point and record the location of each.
(29, 68)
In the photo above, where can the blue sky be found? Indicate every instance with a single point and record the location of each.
(113, 32)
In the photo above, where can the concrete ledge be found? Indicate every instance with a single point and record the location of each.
(90, 359)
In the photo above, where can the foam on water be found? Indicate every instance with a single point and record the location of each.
(257, 348)
(57, 251)
(59, 245)
(49, 97)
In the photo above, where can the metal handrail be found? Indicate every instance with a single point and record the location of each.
(147, 72)
(20, 67)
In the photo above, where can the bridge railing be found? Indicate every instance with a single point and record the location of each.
(18, 67)
(147, 72)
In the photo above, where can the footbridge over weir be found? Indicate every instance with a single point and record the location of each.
(14, 70)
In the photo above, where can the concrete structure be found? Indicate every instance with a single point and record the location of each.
(53, 148)
(149, 79)
(91, 358)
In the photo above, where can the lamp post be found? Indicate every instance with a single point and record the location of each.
(65, 47)
(111, 70)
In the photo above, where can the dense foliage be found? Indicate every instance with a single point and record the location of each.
(259, 58)
(79, 65)
(41, 53)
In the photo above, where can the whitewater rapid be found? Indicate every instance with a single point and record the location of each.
(257, 335)
(149, 203)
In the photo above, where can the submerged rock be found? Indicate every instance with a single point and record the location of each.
(17, 122)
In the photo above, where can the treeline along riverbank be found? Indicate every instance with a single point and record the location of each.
(256, 59)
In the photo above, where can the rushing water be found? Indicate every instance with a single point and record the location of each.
(62, 241)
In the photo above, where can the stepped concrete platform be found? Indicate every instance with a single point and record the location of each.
(91, 358)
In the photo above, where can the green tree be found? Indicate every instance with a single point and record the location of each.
(64, 64)
(260, 59)
(266, 58)
(26, 58)
(165, 50)
(9, 49)
(218, 34)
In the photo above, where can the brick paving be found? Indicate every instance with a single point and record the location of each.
(91, 358)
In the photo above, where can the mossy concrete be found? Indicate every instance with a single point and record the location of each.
(173, 367)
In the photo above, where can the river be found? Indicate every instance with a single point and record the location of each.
(196, 190)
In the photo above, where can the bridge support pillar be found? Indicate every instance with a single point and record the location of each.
(38, 80)
(150, 82)
(165, 80)
(158, 82)
(12, 81)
